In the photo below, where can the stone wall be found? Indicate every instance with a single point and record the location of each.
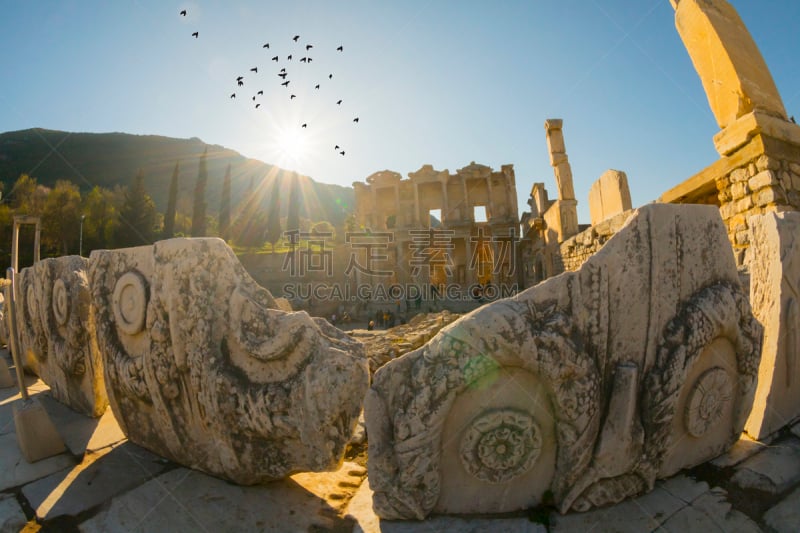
(762, 185)
(575, 251)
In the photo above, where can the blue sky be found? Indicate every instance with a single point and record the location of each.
(435, 82)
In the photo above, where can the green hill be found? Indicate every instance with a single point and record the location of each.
(110, 159)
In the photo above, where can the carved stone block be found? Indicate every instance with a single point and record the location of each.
(587, 387)
(57, 332)
(203, 368)
(774, 263)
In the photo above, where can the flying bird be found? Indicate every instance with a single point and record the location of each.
(240, 78)
(292, 97)
(183, 12)
(283, 69)
(196, 34)
(304, 125)
(266, 45)
(254, 69)
(304, 59)
(254, 98)
(289, 57)
(336, 147)
(330, 76)
(233, 95)
(309, 46)
(295, 38)
(342, 152)
(241, 83)
(257, 106)
(309, 60)
(340, 49)
(339, 102)
(282, 75)
(275, 58)
(261, 93)
(286, 83)
(316, 86)
(355, 119)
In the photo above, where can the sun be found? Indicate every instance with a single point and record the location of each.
(292, 144)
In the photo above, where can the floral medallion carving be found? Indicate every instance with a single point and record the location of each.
(707, 401)
(130, 303)
(30, 300)
(500, 445)
(60, 302)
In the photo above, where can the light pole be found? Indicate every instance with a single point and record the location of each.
(80, 239)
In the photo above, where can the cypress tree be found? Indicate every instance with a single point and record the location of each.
(225, 205)
(199, 212)
(137, 216)
(273, 233)
(172, 201)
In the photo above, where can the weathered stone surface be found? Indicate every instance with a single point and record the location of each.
(609, 196)
(185, 500)
(57, 331)
(509, 402)
(733, 72)
(12, 519)
(744, 448)
(774, 262)
(100, 477)
(785, 516)
(774, 470)
(203, 369)
(16, 471)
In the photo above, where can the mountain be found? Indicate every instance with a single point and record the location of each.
(110, 159)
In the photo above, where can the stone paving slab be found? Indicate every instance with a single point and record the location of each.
(100, 477)
(709, 513)
(10, 395)
(12, 519)
(785, 516)
(82, 433)
(360, 510)
(16, 471)
(684, 488)
(774, 470)
(187, 500)
(644, 513)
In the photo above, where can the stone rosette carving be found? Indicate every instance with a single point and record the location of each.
(57, 332)
(204, 369)
(588, 386)
(500, 445)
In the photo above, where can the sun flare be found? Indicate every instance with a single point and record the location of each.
(292, 145)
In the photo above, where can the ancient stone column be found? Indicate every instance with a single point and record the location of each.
(558, 158)
(735, 76)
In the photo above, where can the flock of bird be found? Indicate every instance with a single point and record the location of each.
(283, 74)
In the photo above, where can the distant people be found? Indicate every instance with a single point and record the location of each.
(386, 318)
(371, 325)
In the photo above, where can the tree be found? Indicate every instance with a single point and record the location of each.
(293, 217)
(27, 196)
(172, 201)
(101, 207)
(137, 218)
(225, 205)
(273, 234)
(61, 218)
(199, 211)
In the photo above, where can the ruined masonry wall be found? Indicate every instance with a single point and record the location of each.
(576, 250)
(763, 185)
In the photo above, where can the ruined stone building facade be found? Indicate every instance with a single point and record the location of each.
(436, 228)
